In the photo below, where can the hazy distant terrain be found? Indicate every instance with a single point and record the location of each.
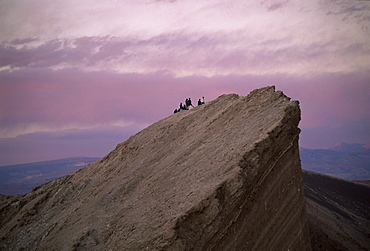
(347, 161)
(20, 179)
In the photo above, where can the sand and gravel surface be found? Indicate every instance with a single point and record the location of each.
(338, 212)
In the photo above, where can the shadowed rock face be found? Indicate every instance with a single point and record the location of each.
(223, 176)
(338, 212)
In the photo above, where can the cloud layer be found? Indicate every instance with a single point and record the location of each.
(189, 38)
(108, 69)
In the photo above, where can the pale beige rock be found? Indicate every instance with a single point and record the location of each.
(223, 176)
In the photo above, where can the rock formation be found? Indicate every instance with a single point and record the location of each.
(223, 176)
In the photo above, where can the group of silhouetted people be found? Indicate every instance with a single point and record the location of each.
(187, 104)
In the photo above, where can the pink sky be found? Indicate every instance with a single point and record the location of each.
(79, 77)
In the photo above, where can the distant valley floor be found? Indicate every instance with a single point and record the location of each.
(20, 179)
(344, 163)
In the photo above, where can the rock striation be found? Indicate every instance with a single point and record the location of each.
(223, 176)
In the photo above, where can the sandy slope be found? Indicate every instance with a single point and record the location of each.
(338, 212)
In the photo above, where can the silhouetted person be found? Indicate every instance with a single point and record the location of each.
(199, 102)
(182, 107)
(189, 103)
(186, 103)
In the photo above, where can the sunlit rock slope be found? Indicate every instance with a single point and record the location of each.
(223, 176)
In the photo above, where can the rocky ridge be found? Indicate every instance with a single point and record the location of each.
(223, 176)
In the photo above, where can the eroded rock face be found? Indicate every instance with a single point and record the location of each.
(223, 176)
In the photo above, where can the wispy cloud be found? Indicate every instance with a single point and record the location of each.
(43, 145)
(188, 54)
(80, 65)
(199, 38)
(50, 99)
(272, 5)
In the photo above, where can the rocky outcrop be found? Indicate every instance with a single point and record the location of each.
(223, 176)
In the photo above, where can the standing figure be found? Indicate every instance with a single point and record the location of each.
(189, 103)
(202, 100)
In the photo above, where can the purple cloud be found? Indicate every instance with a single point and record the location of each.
(272, 5)
(94, 142)
(188, 53)
(59, 75)
(52, 99)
